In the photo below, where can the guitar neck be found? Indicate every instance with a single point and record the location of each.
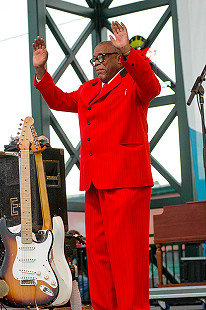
(26, 215)
(47, 224)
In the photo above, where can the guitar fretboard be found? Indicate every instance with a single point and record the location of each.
(26, 216)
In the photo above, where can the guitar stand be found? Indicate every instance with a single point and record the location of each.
(2, 306)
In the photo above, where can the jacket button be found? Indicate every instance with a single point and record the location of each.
(89, 108)
(89, 123)
(90, 154)
(88, 139)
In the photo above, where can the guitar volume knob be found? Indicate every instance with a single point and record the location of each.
(53, 282)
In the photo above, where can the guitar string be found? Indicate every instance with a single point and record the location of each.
(35, 297)
(26, 241)
(29, 252)
(20, 243)
(26, 218)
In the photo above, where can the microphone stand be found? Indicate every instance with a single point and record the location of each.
(198, 90)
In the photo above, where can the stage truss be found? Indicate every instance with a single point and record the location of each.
(99, 13)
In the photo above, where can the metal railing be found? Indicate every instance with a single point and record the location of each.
(175, 266)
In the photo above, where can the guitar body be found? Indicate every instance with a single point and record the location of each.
(60, 264)
(57, 256)
(27, 271)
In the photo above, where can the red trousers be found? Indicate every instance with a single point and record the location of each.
(117, 234)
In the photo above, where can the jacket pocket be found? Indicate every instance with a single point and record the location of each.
(131, 144)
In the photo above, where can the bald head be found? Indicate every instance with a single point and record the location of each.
(109, 46)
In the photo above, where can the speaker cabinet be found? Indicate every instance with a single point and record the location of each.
(53, 160)
(54, 168)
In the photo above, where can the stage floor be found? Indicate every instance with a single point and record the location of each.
(191, 307)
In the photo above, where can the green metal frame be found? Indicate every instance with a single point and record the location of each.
(98, 12)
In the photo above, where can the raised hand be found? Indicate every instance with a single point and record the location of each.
(121, 40)
(40, 56)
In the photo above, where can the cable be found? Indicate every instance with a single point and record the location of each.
(20, 35)
(198, 102)
(24, 34)
(35, 297)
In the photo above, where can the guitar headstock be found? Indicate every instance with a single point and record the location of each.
(26, 138)
(35, 146)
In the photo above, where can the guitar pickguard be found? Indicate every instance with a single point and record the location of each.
(32, 265)
(59, 263)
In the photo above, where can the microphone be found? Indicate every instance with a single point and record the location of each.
(197, 85)
(194, 90)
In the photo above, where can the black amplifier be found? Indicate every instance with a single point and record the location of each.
(54, 167)
(193, 269)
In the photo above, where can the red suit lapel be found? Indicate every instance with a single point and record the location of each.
(97, 93)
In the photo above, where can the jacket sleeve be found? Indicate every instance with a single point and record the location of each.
(137, 65)
(55, 97)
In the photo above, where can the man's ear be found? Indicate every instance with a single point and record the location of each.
(118, 57)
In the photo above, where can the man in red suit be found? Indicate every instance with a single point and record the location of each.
(115, 166)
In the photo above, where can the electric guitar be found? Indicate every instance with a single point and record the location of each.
(57, 257)
(26, 268)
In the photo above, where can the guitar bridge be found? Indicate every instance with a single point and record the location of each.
(28, 282)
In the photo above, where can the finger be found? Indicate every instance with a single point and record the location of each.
(111, 38)
(118, 26)
(123, 26)
(114, 28)
(38, 39)
(43, 43)
(34, 47)
(115, 25)
(36, 44)
(39, 42)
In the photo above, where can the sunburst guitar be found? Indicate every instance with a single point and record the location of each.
(26, 268)
(57, 256)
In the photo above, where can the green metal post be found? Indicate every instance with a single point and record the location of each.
(188, 192)
(36, 22)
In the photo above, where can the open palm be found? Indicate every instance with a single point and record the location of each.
(40, 54)
(121, 40)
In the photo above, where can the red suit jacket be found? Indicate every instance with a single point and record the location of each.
(115, 151)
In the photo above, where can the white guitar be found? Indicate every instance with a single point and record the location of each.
(57, 257)
(26, 268)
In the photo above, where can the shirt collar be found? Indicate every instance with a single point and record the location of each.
(113, 77)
